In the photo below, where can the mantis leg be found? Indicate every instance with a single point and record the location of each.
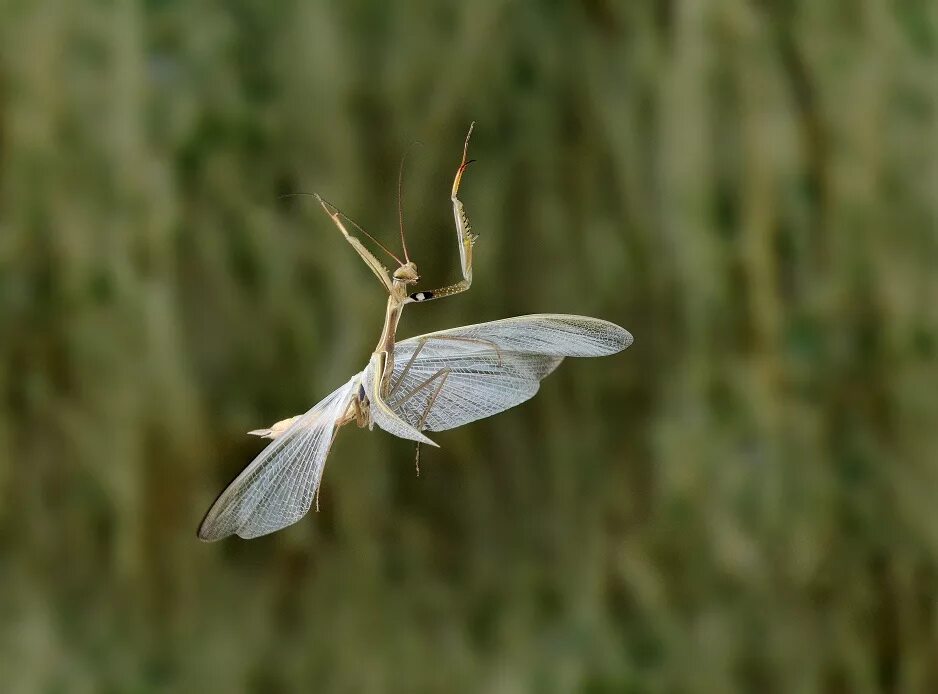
(371, 261)
(472, 340)
(357, 413)
(410, 362)
(464, 236)
(431, 401)
(383, 414)
(444, 373)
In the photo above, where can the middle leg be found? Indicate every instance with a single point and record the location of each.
(395, 384)
(426, 412)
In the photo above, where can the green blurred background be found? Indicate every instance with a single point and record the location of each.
(745, 500)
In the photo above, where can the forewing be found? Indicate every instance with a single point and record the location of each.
(475, 371)
(277, 488)
(386, 417)
(556, 334)
(441, 392)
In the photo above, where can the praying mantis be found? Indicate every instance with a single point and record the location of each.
(431, 382)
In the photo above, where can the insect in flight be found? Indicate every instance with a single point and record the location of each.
(431, 382)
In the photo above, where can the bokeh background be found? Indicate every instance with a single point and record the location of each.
(746, 500)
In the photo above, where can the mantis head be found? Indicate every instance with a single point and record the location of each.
(407, 273)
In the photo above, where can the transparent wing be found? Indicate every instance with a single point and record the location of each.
(439, 393)
(449, 378)
(556, 334)
(277, 488)
(383, 415)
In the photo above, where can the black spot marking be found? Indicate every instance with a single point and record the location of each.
(421, 296)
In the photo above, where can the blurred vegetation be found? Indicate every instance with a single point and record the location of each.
(743, 501)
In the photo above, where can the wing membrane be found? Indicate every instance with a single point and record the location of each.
(277, 488)
(452, 377)
(556, 334)
(385, 416)
(439, 393)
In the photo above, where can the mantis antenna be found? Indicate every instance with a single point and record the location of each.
(400, 196)
(351, 221)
